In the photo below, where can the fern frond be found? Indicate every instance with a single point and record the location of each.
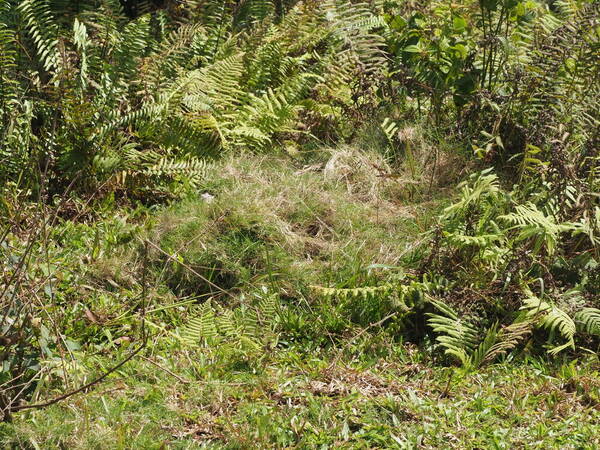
(352, 23)
(227, 324)
(43, 30)
(145, 114)
(193, 169)
(202, 327)
(481, 187)
(176, 51)
(588, 320)
(483, 351)
(249, 322)
(505, 340)
(268, 310)
(534, 223)
(459, 337)
(348, 294)
(216, 87)
(553, 319)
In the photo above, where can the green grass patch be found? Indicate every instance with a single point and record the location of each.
(308, 400)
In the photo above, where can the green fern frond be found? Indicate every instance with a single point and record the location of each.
(43, 30)
(535, 224)
(249, 322)
(147, 113)
(588, 320)
(8, 63)
(192, 169)
(483, 351)
(227, 324)
(483, 241)
(352, 23)
(268, 310)
(390, 129)
(249, 12)
(498, 342)
(459, 337)
(132, 45)
(354, 293)
(216, 87)
(201, 328)
(175, 51)
(553, 319)
(481, 187)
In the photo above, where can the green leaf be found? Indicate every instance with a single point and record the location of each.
(459, 23)
(412, 49)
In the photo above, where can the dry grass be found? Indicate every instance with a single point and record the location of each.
(261, 214)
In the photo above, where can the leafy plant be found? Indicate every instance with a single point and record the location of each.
(245, 329)
(588, 320)
(464, 341)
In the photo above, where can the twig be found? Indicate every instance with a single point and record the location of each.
(164, 369)
(444, 393)
(359, 334)
(114, 368)
(185, 266)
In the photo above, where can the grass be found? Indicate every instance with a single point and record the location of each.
(325, 373)
(264, 220)
(304, 400)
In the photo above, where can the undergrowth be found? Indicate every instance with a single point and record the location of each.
(279, 223)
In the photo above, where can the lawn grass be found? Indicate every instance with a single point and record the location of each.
(293, 399)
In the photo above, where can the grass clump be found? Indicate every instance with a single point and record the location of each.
(263, 220)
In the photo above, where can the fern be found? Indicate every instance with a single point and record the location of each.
(352, 24)
(227, 324)
(195, 89)
(252, 11)
(553, 319)
(268, 311)
(157, 171)
(82, 42)
(180, 47)
(588, 320)
(201, 328)
(8, 62)
(354, 293)
(132, 45)
(245, 328)
(534, 224)
(192, 169)
(499, 342)
(457, 336)
(462, 340)
(481, 188)
(42, 28)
